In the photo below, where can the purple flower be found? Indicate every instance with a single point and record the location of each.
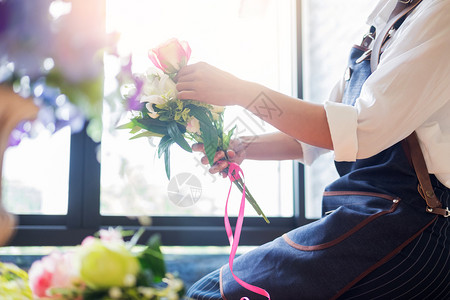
(133, 102)
(126, 76)
(18, 133)
(25, 34)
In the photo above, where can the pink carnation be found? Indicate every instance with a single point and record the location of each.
(53, 271)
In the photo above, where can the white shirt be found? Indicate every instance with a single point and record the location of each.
(410, 90)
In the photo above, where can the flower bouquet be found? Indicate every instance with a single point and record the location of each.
(156, 111)
(104, 267)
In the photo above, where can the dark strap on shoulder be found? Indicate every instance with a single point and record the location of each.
(381, 37)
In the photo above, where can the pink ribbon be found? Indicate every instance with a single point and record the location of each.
(234, 241)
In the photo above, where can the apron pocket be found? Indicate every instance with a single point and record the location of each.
(348, 213)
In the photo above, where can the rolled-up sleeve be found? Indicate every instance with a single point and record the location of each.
(343, 122)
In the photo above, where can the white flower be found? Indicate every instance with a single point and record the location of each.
(152, 99)
(193, 125)
(156, 83)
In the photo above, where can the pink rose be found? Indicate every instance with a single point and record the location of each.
(171, 56)
(53, 271)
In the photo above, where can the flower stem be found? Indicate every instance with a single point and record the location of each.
(239, 183)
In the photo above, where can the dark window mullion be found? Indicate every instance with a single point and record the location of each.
(90, 202)
(299, 169)
(76, 180)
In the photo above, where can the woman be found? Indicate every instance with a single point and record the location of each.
(387, 123)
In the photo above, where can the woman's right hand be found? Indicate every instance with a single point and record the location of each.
(235, 153)
(206, 83)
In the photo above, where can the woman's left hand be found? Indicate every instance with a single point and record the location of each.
(205, 83)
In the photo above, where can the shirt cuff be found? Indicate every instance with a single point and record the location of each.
(343, 122)
(310, 153)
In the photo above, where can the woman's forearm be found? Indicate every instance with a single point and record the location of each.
(302, 120)
(271, 146)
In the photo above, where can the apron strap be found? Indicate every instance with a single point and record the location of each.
(405, 8)
(425, 188)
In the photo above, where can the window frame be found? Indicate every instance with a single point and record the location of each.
(83, 217)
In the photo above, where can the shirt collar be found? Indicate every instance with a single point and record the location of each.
(381, 13)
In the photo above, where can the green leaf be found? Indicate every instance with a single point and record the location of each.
(207, 129)
(167, 162)
(152, 125)
(152, 259)
(227, 138)
(135, 129)
(164, 148)
(145, 134)
(95, 294)
(177, 136)
(165, 143)
(145, 278)
(129, 125)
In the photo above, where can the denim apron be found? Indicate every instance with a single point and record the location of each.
(370, 214)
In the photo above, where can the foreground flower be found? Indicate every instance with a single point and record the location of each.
(13, 283)
(106, 264)
(103, 268)
(52, 272)
(171, 56)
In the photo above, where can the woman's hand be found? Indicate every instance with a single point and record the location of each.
(235, 154)
(205, 83)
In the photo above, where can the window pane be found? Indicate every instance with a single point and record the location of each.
(253, 40)
(36, 175)
(330, 29)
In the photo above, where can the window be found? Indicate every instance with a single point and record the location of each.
(227, 34)
(130, 181)
(255, 40)
(42, 188)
